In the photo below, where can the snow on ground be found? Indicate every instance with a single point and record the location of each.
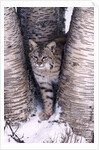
(49, 131)
(34, 130)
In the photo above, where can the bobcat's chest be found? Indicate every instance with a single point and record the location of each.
(47, 78)
(44, 67)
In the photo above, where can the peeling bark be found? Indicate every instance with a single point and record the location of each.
(42, 24)
(76, 94)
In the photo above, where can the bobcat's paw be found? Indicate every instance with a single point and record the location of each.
(44, 116)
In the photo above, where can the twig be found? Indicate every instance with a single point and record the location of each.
(14, 136)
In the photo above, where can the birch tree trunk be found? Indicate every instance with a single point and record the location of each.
(76, 94)
(15, 74)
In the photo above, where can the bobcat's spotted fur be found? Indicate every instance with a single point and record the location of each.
(46, 62)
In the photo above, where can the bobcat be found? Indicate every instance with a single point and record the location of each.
(46, 61)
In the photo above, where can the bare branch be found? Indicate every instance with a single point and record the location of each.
(14, 135)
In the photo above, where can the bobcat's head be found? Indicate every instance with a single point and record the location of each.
(42, 57)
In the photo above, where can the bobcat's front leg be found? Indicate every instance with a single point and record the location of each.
(47, 96)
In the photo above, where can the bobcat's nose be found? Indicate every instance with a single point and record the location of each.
(39, 63)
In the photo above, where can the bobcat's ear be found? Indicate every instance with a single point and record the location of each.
(52, 46)
(32, 44)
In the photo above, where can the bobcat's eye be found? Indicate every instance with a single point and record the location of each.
(35, 57)
(45, 57)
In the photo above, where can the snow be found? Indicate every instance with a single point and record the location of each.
(34, 131)
(48, 131)
(68, 15)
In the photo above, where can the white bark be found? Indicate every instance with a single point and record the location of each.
(77, 78)
(15, 74)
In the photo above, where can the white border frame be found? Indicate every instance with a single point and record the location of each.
(50, 3)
